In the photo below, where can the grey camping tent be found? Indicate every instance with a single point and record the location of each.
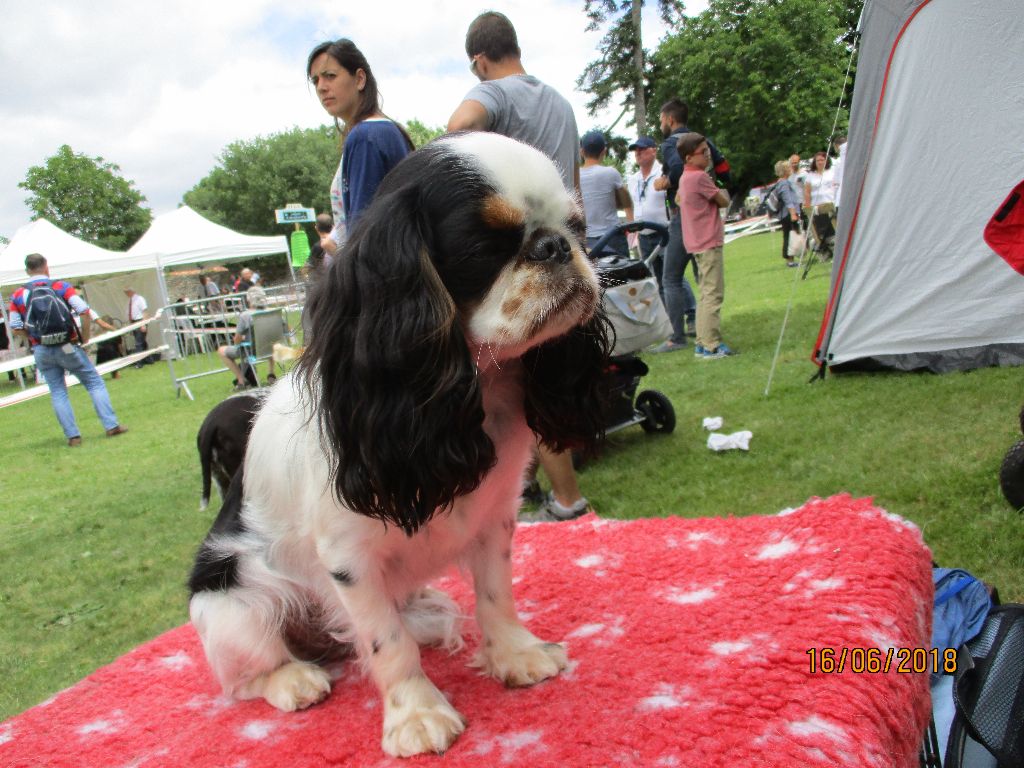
(936, 142)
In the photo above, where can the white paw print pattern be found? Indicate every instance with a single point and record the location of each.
(600, 633)
(694, 594)
(667, 696)
(257, 730)
(512, 748)
(599, 562)
(115, 722)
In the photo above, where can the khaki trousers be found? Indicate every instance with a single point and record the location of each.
(712, 293)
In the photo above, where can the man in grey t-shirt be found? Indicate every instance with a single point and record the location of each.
(510, 102)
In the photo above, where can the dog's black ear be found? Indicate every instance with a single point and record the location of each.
(566, 403)
(393, 382)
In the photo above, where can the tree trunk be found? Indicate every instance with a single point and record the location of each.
(639, 103)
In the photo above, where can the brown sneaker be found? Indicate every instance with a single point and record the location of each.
(118, 430)
(74, 442)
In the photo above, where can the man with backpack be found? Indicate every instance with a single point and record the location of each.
(41, 310)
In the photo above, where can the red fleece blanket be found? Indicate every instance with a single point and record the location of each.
(690, 644)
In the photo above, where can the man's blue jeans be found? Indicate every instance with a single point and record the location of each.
(52, 362)
(680, 302)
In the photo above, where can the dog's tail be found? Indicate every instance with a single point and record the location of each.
(204, 442)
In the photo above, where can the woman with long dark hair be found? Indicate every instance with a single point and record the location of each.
(372, 143)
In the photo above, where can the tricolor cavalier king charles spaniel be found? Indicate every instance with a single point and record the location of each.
(461, 322)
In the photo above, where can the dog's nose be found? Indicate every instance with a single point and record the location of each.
(551, 247)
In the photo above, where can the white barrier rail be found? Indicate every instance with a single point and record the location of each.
(39, 390)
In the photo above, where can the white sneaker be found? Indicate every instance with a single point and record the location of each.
(552, 509)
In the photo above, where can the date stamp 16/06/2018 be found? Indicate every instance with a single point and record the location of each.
(830, 661)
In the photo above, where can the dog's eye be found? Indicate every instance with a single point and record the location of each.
(578, 227)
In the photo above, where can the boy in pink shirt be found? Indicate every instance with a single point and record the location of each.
(704, 236)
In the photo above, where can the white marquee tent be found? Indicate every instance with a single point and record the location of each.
(68, 257)
(179, 237)
(936, 143)
(184, 237)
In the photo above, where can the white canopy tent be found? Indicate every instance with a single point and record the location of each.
(184, 237)
(178, 237)
(67, 256)
(936, 137)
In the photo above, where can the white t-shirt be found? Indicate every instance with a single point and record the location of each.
(823, 186)
(597, 185)
(648, 202)
(137, 307)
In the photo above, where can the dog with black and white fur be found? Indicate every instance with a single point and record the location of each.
(222, 439)
(461, 323)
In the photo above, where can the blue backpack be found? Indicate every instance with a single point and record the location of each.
(47, 315)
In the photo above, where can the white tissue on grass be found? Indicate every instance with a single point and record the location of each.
(711, 423)
(720, 442)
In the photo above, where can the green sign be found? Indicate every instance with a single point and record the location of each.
(295, 215)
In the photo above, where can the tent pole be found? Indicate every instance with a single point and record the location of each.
(820, 374)
(288, 257)
(166, 322)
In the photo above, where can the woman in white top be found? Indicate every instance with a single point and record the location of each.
(820, 197)
(819, 183)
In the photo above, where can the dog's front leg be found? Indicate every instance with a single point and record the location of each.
(417, 716)
(508, 651)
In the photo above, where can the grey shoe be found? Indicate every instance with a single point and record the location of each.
(551, 509)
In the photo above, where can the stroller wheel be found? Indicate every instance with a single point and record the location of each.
(1011, 476)
(659, 415)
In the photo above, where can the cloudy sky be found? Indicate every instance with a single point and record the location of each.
(161, 88)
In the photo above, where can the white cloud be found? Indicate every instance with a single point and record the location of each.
(161, 89)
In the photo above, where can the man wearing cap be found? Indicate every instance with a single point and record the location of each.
(604, 195)
(648, 202)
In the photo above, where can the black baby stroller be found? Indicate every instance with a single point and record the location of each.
(635, 310)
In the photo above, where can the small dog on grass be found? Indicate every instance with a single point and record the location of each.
(222, 439)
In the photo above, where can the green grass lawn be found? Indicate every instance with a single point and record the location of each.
(96, 542)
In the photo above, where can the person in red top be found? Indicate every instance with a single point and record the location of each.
(704, 236)
(52, 361)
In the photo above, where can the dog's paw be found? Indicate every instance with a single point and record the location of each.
(517, 666)
(418, 719)
(296, 685)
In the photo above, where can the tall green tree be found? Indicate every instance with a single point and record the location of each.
(87, 197)
(622, 69)
(252, 178)
(762, 78)
(422, 134)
